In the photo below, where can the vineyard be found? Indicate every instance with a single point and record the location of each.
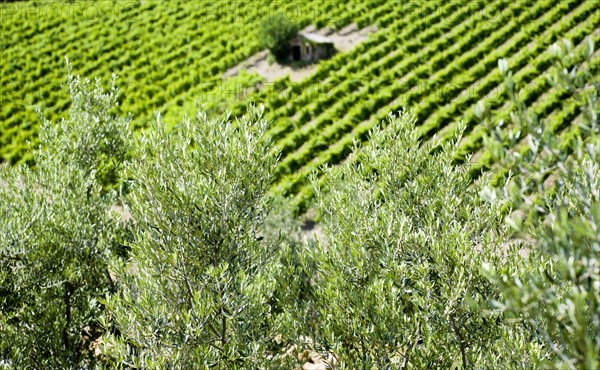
(441, 58)
(167, 54)
(320, 118)
(425, 197)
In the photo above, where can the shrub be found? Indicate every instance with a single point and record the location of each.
(556, 291)
(397, 282)
(58, 231)
(274, 32)
(199, 289)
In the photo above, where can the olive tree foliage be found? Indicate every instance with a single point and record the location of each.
(556, 292)
(397, 282)
(199, 288)
(58, 232)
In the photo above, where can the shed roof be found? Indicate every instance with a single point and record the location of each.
(315, 38)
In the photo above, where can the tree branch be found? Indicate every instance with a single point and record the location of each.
(461, 341)
(67, 300)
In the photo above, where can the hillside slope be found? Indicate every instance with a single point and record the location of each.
(440, 58)
(166, 53)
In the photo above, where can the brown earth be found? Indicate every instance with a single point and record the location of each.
(344, 40)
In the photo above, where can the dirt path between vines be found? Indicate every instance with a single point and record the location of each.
(344, 40)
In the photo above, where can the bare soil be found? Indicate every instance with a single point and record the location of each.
(344, 40)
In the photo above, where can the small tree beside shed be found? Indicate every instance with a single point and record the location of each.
(274, 32)
(282, 38)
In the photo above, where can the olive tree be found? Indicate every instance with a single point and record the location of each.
(556, 292)
(58, 231)
(397, 282)
(200, 286)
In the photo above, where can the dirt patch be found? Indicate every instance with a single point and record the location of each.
(259, 63)
(123, 212)
(313, 231)
(349, 37)
(344, 40)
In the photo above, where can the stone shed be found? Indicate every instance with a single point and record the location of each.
(310, 47)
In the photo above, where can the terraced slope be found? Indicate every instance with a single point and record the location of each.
(166, 53)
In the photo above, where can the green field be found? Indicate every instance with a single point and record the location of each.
(439, 57)
(167, 54)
